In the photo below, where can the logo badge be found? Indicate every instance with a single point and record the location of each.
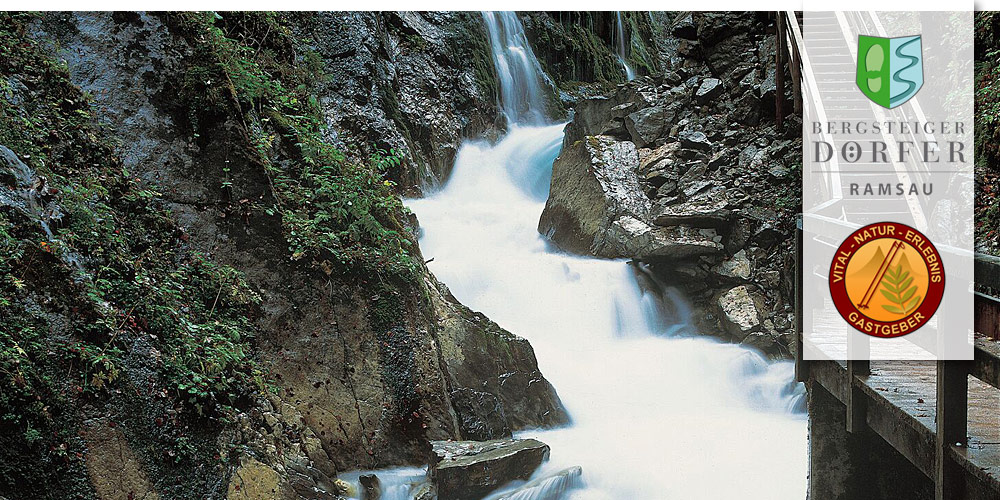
(887, 279)
(890, 70)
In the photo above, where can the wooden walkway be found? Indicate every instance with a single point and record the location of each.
(934, 424)
(942, 417)
(900, 401)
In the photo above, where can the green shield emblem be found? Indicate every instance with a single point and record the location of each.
(890, 70)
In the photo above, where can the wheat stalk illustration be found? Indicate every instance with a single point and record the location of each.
(896, 286)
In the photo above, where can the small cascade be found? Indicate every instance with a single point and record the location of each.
(620, 47)
(522, 91)
(658, 412)
(397, 484)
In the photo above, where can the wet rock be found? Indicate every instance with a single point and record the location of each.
(645, 126)
(600, 116)
(706, 209)
(779, 172)
(253, 480)
(115, 471)
(594, 183)
(494, 375)
(630, 237)
(738, 267)
(741, 311)
(684, 27)
(480, 415)
(767, 235)
(550, 487)
(695, 140)
(342, 488)
(469, 470)
(371, 487)
(428, 59)
(709, 89)
(424, 491)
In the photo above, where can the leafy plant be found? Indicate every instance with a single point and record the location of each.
(898, 287)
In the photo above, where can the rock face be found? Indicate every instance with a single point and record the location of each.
(418, 83)
(594, 183)
(711, 201)
(367, 372)
(631, 237)
(740, 309)
(115, 471)
(496, 384)
(467, 470)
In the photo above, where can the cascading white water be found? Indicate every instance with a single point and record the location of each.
(620, 47)
(654, 416)
(521, 81)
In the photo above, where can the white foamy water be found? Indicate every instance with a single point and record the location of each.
(658, 413)
(654, 416)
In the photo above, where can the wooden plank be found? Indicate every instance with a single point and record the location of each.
(986, 314)
(987, 269)
(857, 401)
(952, 427)
(986, 365)
(901, 409)
(794, 59)
(779, 73)
(832, 375)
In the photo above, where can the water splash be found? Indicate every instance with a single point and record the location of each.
(620, 47)
(397, 484)
(657, 413)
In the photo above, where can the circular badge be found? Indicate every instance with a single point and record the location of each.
(887, 279)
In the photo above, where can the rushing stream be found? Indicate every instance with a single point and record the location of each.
(655, 415)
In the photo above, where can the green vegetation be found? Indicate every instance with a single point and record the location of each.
(114, 312)
(115, 274)
(333, 210)
(987, 126)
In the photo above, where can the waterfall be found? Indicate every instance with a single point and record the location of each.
(656, 415)
(522, 95)
(620, 47)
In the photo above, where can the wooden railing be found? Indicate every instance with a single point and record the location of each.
(789, 48)
(951, 467)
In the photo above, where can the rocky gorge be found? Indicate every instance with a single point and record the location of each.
(213, 290)
(688, 172)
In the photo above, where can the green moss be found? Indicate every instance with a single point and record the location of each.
(332, 210)
(114, 273)
(642, 43)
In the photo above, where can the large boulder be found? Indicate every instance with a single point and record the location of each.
(709, 208)
(599, 116)
(738, 267)
(594, 183)
(647, 125)
(496, 384)
(741, 310)
(469, 470)
(631, 237)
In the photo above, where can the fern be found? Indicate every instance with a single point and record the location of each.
(896, 286)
